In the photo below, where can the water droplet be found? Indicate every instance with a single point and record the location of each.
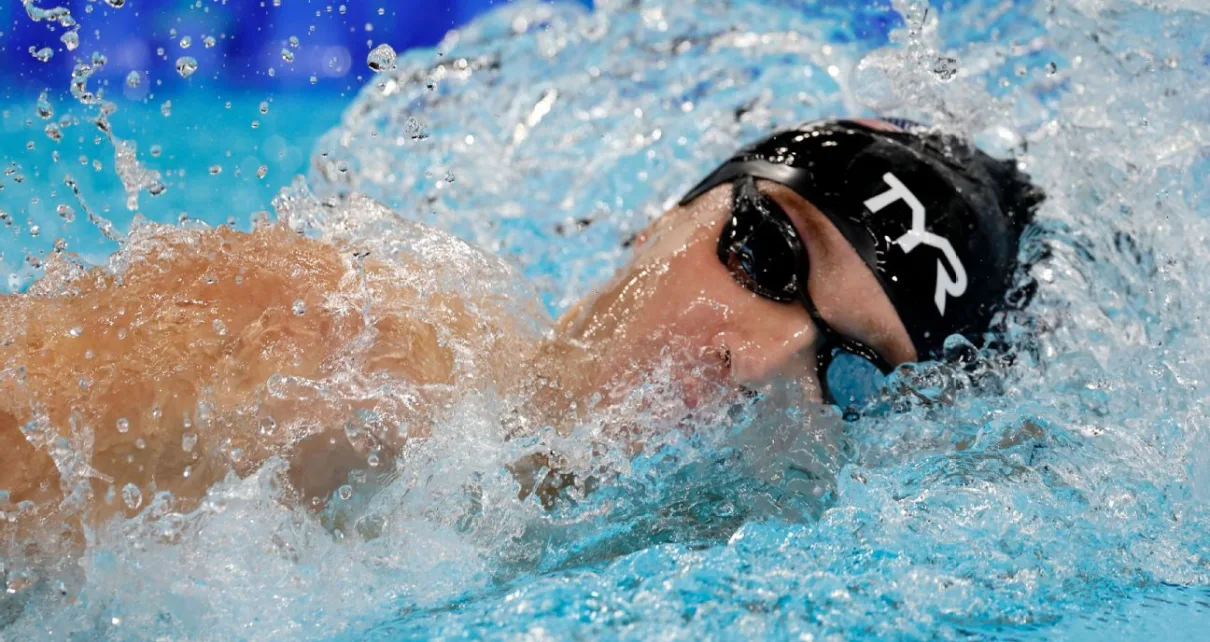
(71, 40)
(131, 495)
(945, 68)
(67, 213)
(188, 441)
(299, 308)
(294, 42)
(186, 42)
(166, 108)
(262, 171)
(267, 425)
(382, 58)
(44, 108)
(42, 54)
(133, 79)
(345, 492)
(264, 107)
(215, 170)
(287, 55)
(208, 41)
(123, 425)
(185, 66)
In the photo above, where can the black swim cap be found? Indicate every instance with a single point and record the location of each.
(936, 220)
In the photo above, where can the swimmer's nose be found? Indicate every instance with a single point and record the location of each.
(750, 363)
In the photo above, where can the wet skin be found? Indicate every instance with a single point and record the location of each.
(180, 372)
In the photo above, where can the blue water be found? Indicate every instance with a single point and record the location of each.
(1063, 497)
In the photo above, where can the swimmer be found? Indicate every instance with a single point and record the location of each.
(824, 255)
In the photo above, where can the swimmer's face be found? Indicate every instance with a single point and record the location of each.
(676, 304)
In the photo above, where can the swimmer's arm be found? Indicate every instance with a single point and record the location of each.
(165, 380)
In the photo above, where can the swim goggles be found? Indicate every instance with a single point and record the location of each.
(764, 253)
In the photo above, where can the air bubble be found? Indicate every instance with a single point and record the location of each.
(166, 108)
(343, 10)
(215, 170)
(287, 55)
(34, 230)
(262, 171)
(156, 150)
(116, 4)
(67, 213)
(264, 107)
(293, 42)
(185, 66)
(123, 425)
(314, 80)
(186, 42)
(131, 495)
(188, 441)
(382, 58)
(133, 79)
(71, 40)
(299, 308)
(381, 11)
(208, 41)
(1051, 68)
(345, 492)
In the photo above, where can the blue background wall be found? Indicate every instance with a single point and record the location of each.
(249, 37)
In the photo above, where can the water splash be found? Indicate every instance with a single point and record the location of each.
(1083, 479)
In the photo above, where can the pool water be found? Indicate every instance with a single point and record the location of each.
(1062, 497)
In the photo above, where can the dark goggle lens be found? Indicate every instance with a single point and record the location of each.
(853, 381)
(757, 250)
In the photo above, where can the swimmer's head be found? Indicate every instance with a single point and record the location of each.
(935, 219)
(871, 241)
